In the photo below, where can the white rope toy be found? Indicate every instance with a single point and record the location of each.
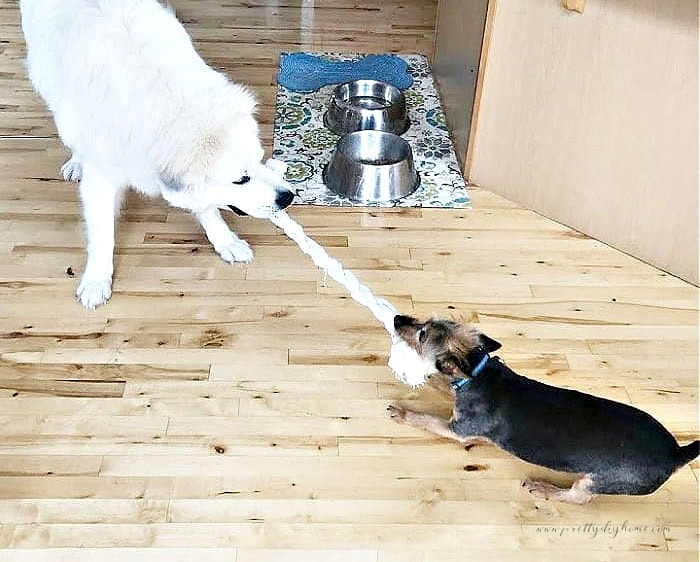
(403, 360)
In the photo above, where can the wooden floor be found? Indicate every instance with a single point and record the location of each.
(211, 412)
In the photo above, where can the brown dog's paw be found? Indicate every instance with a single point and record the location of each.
(530, 484)
(397, 413)
(537, 488)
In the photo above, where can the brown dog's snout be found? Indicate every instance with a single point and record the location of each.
(400, 321)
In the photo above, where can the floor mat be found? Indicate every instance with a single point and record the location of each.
(301, 140)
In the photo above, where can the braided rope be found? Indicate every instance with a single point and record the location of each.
(403, 360)
(382, 309)
(407, 365)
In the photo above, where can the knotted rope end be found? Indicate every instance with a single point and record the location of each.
(407, 365)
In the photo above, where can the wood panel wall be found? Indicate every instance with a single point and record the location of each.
(592, 119)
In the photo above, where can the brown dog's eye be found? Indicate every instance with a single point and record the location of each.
(244, 179)
(421, 336)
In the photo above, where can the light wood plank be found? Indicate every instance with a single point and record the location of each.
(237, 413)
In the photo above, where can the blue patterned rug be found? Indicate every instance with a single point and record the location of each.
(301, 140)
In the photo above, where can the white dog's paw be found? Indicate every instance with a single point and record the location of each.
(72, 170)
(235, 251)
(93, 292)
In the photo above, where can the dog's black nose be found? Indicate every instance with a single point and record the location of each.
(284, 199)
(400, 320)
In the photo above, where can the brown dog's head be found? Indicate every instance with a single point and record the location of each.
(444, 342)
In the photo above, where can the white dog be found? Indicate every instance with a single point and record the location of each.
(139, 108)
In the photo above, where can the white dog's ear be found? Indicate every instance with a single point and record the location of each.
(195, 163)
(204, 152)
(193, 166)
(172, 183)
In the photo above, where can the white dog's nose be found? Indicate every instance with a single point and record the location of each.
(284, 199)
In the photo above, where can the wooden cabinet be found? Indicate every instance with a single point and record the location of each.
(459, 33)
(588, 118)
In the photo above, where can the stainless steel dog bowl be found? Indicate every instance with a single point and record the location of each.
(367, 104)
(371, 166)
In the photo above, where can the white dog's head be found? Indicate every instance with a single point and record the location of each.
(224, 169)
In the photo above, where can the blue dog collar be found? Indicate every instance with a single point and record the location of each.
(480, 367)
(459, 383)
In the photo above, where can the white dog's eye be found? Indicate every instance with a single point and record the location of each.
(244, 179)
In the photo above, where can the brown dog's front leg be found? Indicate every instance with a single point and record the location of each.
(434, 424)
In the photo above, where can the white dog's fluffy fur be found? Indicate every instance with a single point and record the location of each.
(139, 108)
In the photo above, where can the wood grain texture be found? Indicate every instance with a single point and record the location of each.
(574, 5)
(237, 414)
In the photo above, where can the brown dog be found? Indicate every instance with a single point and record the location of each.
(615, 448)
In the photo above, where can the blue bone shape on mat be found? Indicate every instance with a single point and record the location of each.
(301, 72)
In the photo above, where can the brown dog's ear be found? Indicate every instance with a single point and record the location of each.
(450, 365)
(400, 321)
(489, 344)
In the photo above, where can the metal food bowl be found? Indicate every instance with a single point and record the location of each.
(371, 166)
(367, 104)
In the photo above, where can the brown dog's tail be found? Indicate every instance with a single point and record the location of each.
(688, 452)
